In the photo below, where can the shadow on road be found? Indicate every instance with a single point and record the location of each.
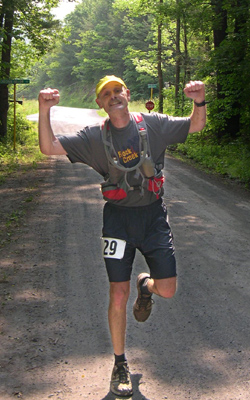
(137, 394)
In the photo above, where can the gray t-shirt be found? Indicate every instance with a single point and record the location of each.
(87, 147)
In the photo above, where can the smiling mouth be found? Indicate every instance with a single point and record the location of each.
(114, 103)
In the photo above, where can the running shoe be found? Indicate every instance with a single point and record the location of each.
(120, 380)
(143, 304)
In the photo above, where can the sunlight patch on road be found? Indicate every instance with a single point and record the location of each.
(244, 205)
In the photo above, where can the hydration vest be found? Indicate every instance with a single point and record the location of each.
(116, 186)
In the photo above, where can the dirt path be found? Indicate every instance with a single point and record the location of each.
(54, 335)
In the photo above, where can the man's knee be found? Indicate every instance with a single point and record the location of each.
(166, 287)
(119, 293)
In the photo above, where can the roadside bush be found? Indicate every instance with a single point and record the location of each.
(229, 159)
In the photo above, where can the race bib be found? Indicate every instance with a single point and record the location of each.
(113, 248)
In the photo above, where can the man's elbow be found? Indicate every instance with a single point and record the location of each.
(53, 148)
(46, 150)
(49, 149)
(197, 127)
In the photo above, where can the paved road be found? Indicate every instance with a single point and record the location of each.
(195, 346)
(68, 119)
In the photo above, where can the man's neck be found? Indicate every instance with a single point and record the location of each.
(120, 120)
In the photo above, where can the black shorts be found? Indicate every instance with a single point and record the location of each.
(144, 228)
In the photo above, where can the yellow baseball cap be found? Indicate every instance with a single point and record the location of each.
(109, 78)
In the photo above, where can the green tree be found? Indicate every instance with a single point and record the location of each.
(101, 40)
(99, 47)
(231, 50)
(170, 41)
(24, 20)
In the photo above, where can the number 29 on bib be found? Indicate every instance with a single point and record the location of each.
(113, 248)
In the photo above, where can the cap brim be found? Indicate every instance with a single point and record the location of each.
(120, 81)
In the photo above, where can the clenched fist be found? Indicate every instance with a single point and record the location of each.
(195, 90)
(48, 98)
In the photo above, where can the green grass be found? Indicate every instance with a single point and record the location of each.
(26, 154)
(230, 159)
(29, 107)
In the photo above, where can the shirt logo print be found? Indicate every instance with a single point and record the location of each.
(127, 155)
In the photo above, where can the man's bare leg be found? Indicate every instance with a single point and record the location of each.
(120, 380)
(119, 294)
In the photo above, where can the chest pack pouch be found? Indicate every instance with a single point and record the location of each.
(116, 185)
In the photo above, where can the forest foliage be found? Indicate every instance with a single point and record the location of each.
(163, 42)
(207, 41)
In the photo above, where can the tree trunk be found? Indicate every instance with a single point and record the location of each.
(187, 72)
(219, 34)
(178, 60)
(159, 65)
(234, 65)
(239, 51)
(8, 17)
(220, 23)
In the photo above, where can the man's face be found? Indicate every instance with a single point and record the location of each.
(113, 97)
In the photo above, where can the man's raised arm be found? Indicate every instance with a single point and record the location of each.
(196, 90)
(49, 144)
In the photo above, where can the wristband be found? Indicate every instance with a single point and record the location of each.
(202, 104)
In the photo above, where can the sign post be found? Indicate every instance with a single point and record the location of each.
(14, 82)
(150, 104)
(14, 138)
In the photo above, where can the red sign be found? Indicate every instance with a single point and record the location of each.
(150, 105)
